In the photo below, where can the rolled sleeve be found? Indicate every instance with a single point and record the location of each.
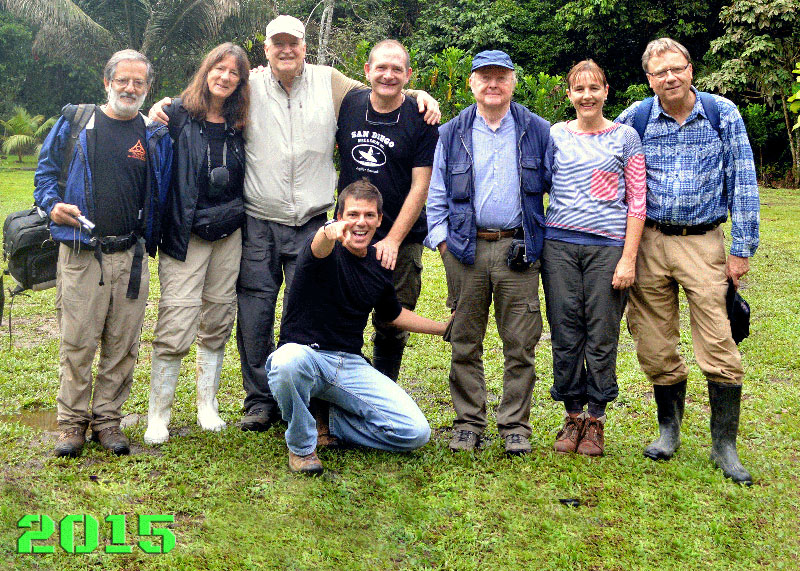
(436, 206)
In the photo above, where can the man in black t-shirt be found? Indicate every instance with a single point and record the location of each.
(114, 176)
(338, 282)
(382, 137)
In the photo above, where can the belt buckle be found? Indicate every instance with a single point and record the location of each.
(684, 231)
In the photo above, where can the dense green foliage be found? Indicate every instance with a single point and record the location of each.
(41, 85)
(25, 133)
(745, 49)
(237, 507)
(756, 55)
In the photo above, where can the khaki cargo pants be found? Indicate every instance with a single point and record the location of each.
(90, 315)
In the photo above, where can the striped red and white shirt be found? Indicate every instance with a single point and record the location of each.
(598, 182)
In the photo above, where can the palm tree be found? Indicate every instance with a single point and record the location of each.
(90, 30)
(25, 133)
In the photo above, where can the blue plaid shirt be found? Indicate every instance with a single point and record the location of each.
(694, 177)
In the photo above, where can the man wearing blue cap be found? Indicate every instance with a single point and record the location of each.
(486, 218)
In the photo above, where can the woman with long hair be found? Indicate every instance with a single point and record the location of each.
(592, 230)
(201, 236)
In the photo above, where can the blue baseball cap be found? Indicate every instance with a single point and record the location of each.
(492, 57)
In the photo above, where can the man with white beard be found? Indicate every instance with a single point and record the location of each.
(102, 177)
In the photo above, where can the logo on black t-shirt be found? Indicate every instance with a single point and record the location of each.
(137, 151)
(368, 155)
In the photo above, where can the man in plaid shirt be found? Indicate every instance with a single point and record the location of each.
(699, 167)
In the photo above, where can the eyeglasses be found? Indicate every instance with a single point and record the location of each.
(122, 82)
(662, 74)
(373, 122)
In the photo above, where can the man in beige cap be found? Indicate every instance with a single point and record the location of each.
(288, 189)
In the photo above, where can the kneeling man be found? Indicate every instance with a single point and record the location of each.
(338, 282)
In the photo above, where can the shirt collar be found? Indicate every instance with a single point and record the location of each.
(504, 122)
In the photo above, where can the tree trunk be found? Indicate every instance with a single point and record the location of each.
(325, 23)
(792, 144)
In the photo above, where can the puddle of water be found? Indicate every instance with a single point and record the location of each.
(46, 419)
(42, 419)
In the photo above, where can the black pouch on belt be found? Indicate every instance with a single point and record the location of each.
(516, 256)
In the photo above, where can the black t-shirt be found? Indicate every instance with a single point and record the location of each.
(332, 297)
(384, 147)
(119, 171)
(217, 139)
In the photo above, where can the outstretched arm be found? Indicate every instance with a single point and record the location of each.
(410, 321)
(327, 236)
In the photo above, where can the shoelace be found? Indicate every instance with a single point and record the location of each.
(570, 428)
(71, 431)
(463, 435)
(592, 427)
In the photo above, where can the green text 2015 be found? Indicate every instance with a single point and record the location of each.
(91, 535)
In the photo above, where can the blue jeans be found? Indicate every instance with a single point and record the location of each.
(367, 408)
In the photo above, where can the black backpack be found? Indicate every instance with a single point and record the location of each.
(28, 249)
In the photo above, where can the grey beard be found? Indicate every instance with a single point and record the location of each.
(123, 109)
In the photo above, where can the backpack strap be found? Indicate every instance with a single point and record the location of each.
(78, 117)
(711, 109)
(642, 115)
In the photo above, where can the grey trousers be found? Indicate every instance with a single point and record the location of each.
(269, 255)
(584, 313)
(471, 290)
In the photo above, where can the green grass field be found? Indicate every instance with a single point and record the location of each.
(235, 506)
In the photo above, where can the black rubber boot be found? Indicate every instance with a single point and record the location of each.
(670, 400)
(725, 402)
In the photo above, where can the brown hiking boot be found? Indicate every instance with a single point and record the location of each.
(464, 440)
(592, 438)
(328, 440)
(308, 465)
(320, 411)
(517, 444)
(113, 439)
(259, 418)
(569, 435)
(70, 442)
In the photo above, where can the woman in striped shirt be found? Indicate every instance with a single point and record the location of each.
(593, 225)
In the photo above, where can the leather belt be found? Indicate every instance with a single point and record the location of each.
(114, 244)
(673, 230)
(495, 235)
(108, 244)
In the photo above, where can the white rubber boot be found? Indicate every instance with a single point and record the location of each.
(163, 379)
(209, 368)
